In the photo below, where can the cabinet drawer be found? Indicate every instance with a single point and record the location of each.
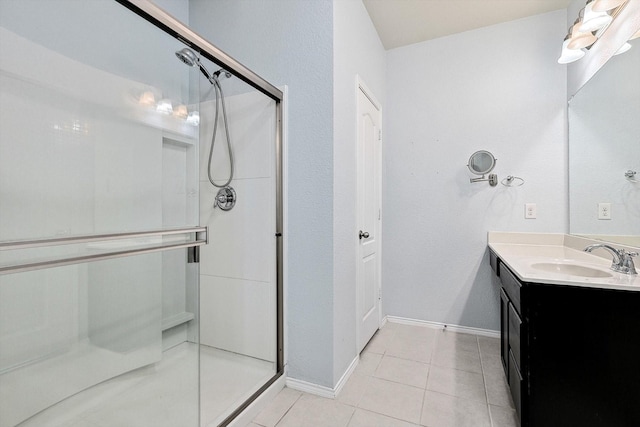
(515, 384)
(493, 262)
(504, 331)
(515, 325)
(511, 285)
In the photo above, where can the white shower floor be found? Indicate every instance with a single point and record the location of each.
(164, 394)
(227, 380)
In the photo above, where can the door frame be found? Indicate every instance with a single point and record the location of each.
(360, 86)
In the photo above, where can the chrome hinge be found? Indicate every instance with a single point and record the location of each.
(379, 134)
(379, 293)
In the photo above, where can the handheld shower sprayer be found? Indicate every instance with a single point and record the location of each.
(188, 57)
(226, 196)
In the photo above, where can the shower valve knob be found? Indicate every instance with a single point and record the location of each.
(225, 199)
(364, 234)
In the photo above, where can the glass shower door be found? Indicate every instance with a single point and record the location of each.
(98, 220)
(238, 283)
(82, 344)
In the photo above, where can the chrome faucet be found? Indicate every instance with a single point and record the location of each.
(622, 259)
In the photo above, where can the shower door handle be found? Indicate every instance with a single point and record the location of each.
(364, 234)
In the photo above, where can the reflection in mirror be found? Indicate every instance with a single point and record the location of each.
(604, 126)
(481, 162)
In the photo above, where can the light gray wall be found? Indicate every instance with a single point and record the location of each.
(357, 50)
(497, 88)
(179, 9)
(290, 43)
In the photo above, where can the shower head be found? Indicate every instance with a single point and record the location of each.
(188, 57)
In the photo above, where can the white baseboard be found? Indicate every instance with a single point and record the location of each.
(311, 388)
(437, 325)
(324, 391)
(347, 374)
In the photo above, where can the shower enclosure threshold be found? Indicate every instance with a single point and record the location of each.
(164, 394)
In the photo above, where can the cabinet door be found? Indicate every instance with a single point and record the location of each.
(515, 325)
(515, 384)
(511, 286)
(504, 331)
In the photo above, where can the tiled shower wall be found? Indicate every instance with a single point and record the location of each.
(237, 268)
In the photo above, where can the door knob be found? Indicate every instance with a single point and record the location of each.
(364, 234)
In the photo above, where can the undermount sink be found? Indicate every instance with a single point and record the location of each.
(570, 269)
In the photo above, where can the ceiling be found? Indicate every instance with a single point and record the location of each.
(403, 22)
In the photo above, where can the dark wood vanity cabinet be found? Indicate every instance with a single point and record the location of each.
(511, 331)
(571, 354)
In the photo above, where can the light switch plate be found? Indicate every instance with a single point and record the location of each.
(530, 211)
(604, 210)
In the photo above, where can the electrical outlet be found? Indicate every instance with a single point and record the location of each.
(530, 211)
(604, 210)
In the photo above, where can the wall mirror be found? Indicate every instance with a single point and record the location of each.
(604, 146)
(481, 163)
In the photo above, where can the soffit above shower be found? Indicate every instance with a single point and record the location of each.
(403, 22)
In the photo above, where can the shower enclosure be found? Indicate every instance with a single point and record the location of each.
(127, 295)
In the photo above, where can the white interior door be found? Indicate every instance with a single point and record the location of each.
(369, 140)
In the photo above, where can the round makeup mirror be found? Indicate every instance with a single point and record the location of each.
(481, 162)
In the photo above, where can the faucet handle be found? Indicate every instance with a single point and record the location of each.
(626, 262)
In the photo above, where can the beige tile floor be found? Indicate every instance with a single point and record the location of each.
(409, 376)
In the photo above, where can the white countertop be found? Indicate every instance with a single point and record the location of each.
(520, 251)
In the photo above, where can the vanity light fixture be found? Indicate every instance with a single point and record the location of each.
(569, 55)
(580, 39)
(604, 5)
(593, 20)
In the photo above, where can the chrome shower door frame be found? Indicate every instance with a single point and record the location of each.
(155, 15)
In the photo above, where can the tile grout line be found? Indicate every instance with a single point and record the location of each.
(352, 415)
(288, 410)
(484, 381)
(372, 376)
(424, 394)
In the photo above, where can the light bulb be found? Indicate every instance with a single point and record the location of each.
(181, 111)
(625, 47)
(580, 39)
(569, 55)
(147, 98)
(193, 118)
(164, 106)
(593, 21)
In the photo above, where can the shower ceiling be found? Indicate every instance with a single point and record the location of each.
(403, 22)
